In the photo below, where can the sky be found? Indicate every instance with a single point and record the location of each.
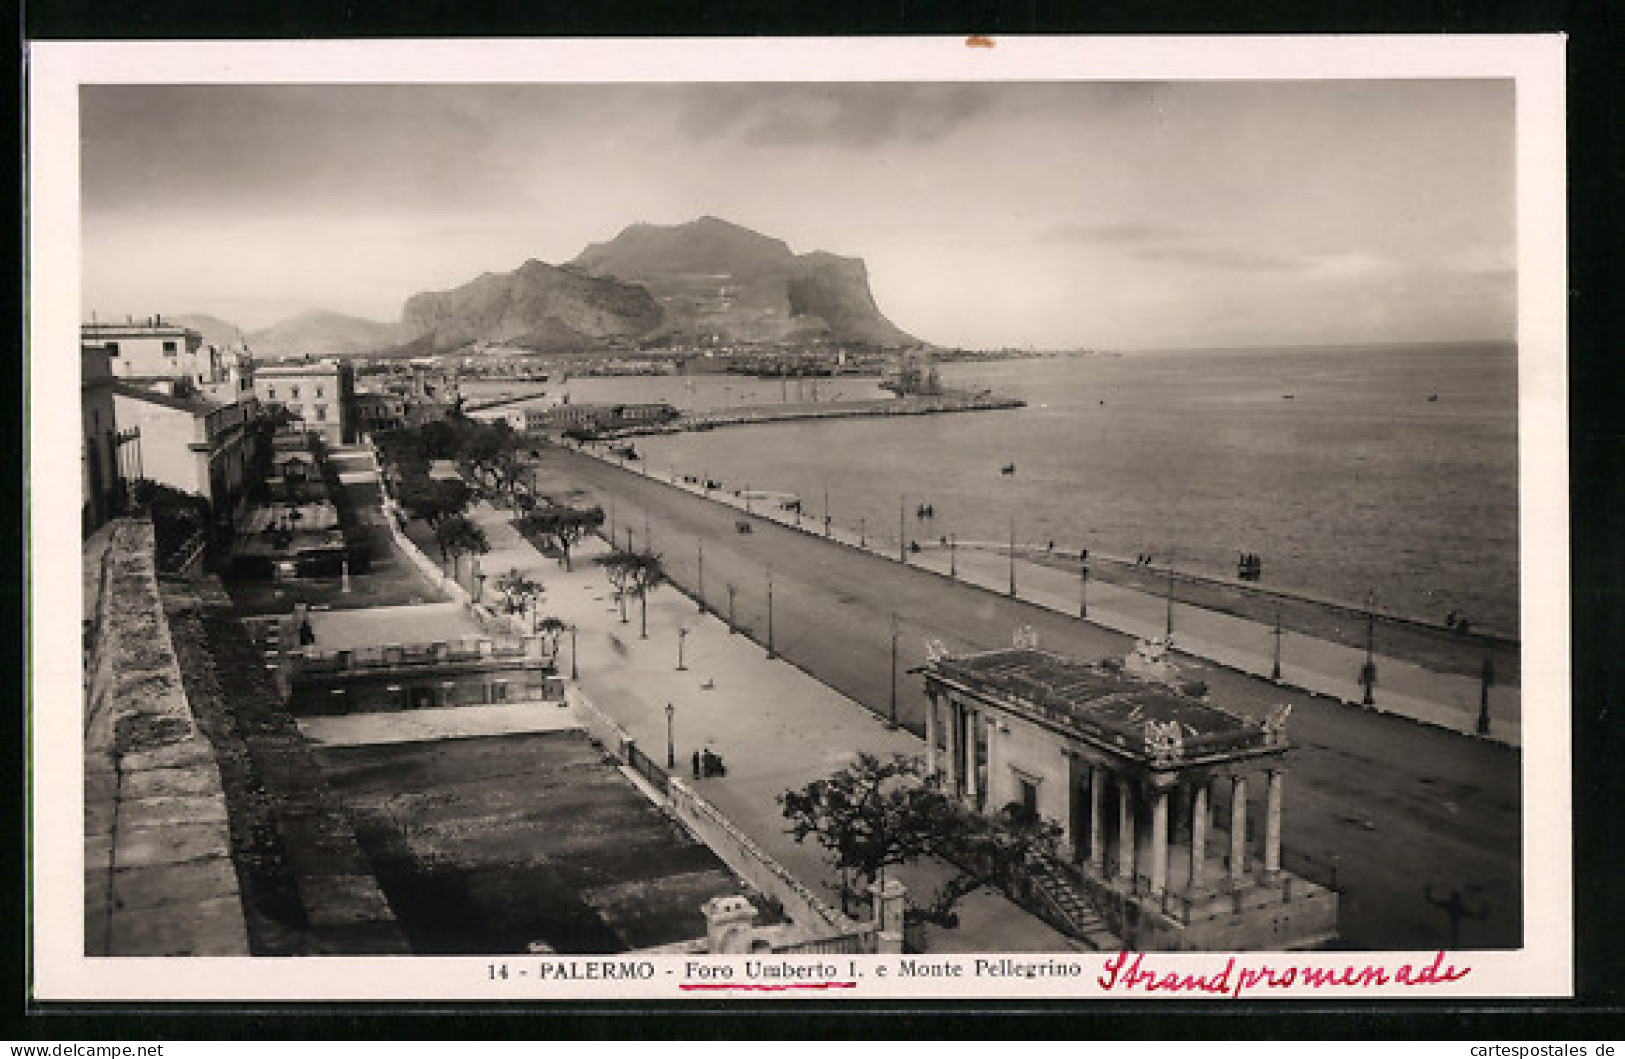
(1053, 214)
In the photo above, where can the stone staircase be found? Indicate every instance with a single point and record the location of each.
(1068, 905)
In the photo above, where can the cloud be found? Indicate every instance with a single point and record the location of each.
(1223, 258)
(1113, 233)
(836, 116)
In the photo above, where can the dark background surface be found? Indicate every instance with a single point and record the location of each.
(1597, 485)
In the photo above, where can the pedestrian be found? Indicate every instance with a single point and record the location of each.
(696, 764)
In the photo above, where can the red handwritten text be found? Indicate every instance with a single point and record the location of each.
(1127, 972)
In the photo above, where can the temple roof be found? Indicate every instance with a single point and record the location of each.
(1138, 718)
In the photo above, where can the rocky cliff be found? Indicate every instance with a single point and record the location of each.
(537, 305)
(715, 278)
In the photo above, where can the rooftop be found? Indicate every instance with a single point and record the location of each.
(196, 405)
(143, 329)
(1108, 707)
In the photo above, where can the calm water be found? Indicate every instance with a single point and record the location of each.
(1357, 483)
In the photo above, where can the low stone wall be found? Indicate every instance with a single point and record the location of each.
(736, 849)
(752, 864)
(159, 877)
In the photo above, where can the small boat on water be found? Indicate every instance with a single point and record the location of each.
(1008, 468)
(1433, 397)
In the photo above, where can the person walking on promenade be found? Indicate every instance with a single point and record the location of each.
(696, 764)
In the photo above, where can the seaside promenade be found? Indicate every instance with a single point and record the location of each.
(774, 726)
(1448, 700)
(1399, 815)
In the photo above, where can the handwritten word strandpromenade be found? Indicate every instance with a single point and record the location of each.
(1126, 972)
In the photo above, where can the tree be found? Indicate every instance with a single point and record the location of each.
(552, 629)
(1000, 847)
(634, 573)
(517, 591)
(562, 526)
(456, 536)
(491, 451)
(434, 500)
(870, 815)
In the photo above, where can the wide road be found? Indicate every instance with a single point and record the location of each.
(1422, 827)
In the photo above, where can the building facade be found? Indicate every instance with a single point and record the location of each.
(101, 478)
(321, 394)
(190, 443)
(149, 349)
(1133, 772)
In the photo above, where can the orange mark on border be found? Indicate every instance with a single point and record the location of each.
(976, 40)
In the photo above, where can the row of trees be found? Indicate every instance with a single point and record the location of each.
(440, 503)
(879, 813)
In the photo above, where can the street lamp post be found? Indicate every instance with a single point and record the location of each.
(863, 532)
(902, 529)
(732, 626)
(770, 652)
(893, 722)
(1012, 556)
(671, 745)
(700, 580)
(682, 635)
(1083, 587)
(574, 674)
(629, 538)
(826, 511)
(953, 556)
(1275, 666)
(1368, 672)
(1168, 624)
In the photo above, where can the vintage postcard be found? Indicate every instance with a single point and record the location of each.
(917, 518)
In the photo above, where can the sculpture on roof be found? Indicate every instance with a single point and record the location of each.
(1164, 743)
(935, 650)
(1274, 725)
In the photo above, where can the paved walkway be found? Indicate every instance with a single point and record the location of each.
(1404, 688)
(775, 727)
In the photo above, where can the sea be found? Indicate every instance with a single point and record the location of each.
(1387, 473)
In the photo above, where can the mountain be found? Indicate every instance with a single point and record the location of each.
(214, 330)
(539, 306)
(712, 277)
(324, 334)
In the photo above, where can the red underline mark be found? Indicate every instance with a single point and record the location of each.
(769, 988)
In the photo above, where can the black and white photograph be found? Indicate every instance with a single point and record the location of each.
(944, 518)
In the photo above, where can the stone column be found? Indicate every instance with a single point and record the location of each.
(992, 764)
(1159, 841)
(1097, 825)
(1272, 824)
(930, 735)
(888, 909)
(970, 757)
(1238, 828)
(950, 768)
(1198, 833)
(1125, 830)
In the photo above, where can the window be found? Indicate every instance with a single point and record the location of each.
(112, 349)
(1029, 799)
(318, 390)
(295, 393)
(170, 349)
(321, 413)
(270, 393)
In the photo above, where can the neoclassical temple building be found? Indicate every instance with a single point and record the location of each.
(1139, 775)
